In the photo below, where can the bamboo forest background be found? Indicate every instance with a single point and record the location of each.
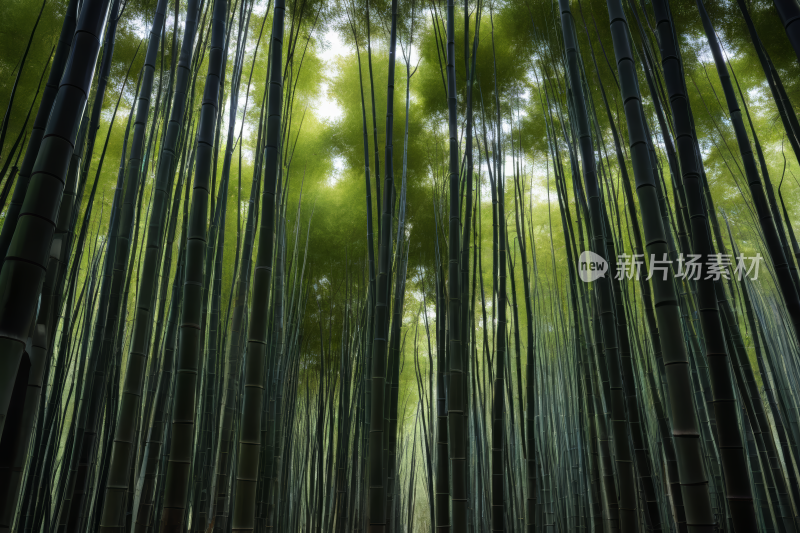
(312, 265)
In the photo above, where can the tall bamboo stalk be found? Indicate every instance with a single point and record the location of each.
(622, 451)
(729, 437)
(765, 216)
(26, 262)
(377, 474)
(63, 52)
(177, 480)
(167, 166)
(457, 411)
(685, 427)
(257, 339)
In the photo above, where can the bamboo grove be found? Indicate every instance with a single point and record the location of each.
(386, 266)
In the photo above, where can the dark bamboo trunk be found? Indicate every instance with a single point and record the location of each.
(765, 215)
(377, 512)
(685, 427)
(456, 388)
(244, 511)
(25, 265)
(729, 437)
(622, 452)
(63, 52)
